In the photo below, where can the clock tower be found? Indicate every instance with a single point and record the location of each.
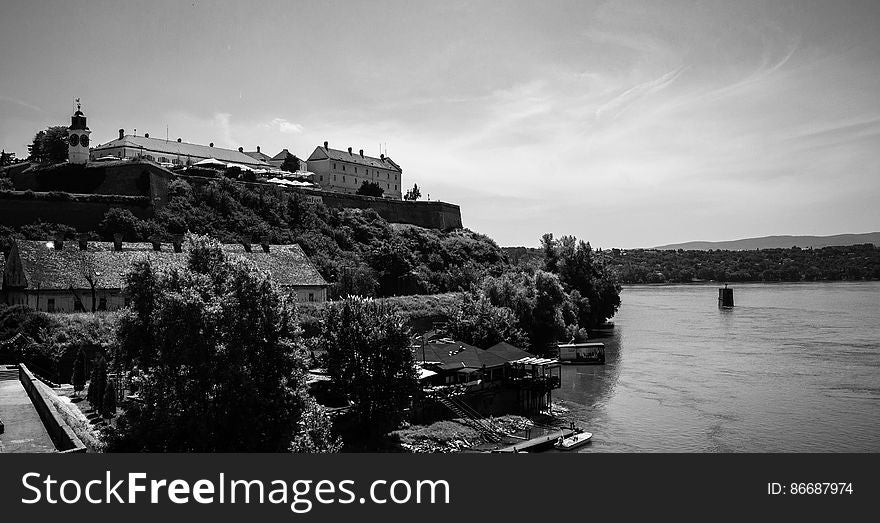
(78, 138)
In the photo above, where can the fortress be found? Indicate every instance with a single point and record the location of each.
(78, 193)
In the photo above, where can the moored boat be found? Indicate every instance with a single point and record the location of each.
(575, 440)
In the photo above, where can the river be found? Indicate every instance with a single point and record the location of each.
(790, 368)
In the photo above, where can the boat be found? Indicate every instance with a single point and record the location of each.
(582, 353)
(575, 440)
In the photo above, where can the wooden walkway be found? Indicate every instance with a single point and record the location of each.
(535, 443)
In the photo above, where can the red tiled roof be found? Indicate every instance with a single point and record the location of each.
(184, 149)
(354, 157)
(48, 268)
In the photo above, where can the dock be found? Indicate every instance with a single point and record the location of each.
(541, 441)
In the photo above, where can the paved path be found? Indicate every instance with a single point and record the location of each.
(24, 429)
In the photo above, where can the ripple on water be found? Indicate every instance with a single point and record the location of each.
(791, 368)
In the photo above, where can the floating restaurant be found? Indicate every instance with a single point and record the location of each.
(499, 380)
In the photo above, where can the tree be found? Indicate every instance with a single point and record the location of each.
(98, 384)
(581, 270)
(233, 172)
(79, 371)
(49, 146)
(369, 362)
(108, 406)
(85, 266)
(474, 320)
(291, 163)
(413, 194)
(123, 221)
(220, 360)
(370, 189)
(6, 158)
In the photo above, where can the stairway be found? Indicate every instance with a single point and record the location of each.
(8, 372)
(472, 418)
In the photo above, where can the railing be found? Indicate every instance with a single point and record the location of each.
(62, 436)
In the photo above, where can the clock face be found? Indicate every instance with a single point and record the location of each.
(74, 140)
(84, 140)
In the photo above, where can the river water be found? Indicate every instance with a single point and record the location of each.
(791, 368)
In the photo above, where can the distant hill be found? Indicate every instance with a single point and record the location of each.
(780, 242)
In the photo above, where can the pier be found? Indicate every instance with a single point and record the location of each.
(535, 443)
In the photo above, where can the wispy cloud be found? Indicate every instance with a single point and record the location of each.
(20, 103)
(614, 107)
(286, 126)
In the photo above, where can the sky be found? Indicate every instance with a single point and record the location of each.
(627, 124)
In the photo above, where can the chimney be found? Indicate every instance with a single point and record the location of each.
(178, 140)
(258, 148)
(325, 145)
(264, 242)
(121, 134)
(146, 135)
(362, 153)
(241, 149)
(117, 241)
(157, 243)
(83, 239)
(349, 151)
(211, 144)
(177, 241)
(58, 241)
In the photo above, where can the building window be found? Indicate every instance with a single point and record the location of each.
(77, 305)
(334, 177)
(102, 304)
(343, 167)
(50, 305)
(311, 296)
(355, 170)
(334, 166)
(343, 179)
(162, 159)
(322, 178)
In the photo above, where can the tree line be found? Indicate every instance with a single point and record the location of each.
(854, 262)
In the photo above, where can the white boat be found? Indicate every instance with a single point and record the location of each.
(575, 440)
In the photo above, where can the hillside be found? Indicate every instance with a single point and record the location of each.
(779, 242)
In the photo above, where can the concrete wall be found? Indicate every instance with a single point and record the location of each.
(83, 215)
(431, 215)
(62, 435)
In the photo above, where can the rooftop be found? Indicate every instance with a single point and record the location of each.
(45, 267)
(175, 148)
(352, 156)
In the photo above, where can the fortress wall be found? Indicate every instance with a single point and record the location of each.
(431, 215)
(125, 178)
(83, 215)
